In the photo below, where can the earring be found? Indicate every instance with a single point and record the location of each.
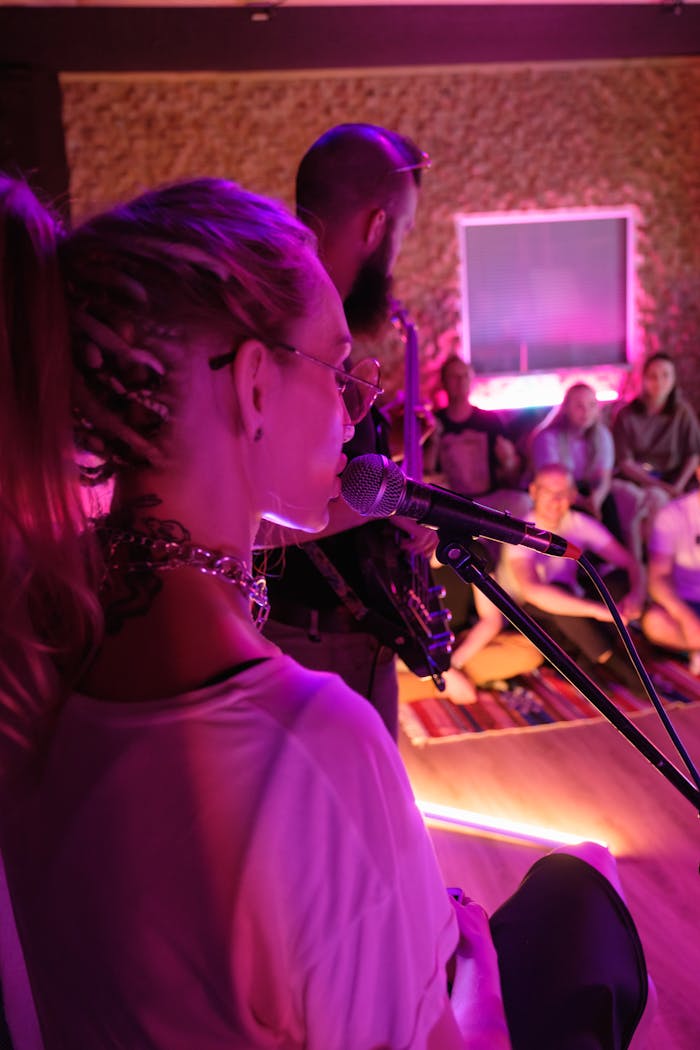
(257, 436)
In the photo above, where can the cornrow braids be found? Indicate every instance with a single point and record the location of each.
(203, 257)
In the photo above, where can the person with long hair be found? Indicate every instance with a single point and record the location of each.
(207, 845)
(48, 600)
(657, 438)
(574, 436)
(190, 850)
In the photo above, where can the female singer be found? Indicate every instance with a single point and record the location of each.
(206, 845)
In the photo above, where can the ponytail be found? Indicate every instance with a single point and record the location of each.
(48, 610)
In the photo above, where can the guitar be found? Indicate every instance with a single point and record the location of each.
(399, 584)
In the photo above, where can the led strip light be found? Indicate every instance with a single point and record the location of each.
(466, 820)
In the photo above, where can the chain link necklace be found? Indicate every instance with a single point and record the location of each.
(132, 551)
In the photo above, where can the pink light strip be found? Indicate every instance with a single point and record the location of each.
(467, 820)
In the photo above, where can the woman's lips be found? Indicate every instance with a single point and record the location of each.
(342, 464)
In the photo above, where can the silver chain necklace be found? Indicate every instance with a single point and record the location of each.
(162, 555)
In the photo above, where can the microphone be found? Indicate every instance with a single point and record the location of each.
(375, 486)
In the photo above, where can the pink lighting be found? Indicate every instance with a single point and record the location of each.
(548, 299)
(544, 389)
(466, 821)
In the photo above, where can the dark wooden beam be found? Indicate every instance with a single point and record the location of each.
(31, 131)
(218, 38)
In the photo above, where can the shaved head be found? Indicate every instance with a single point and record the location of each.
(352, 166)
(357, 189)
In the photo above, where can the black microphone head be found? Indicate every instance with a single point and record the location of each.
(372, 484)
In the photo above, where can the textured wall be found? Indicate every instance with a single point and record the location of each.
(508, 137)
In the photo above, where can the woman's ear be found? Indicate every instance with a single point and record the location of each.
(250, 370)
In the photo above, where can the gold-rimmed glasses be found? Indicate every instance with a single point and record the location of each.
(420, 165)
(359, 386)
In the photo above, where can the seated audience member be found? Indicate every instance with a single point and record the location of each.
(673, 620)
(657, 439)
(459, 686)
(469, 453)
(208, 846)
(549, 589)
(486, 652)
(574, 436)
(469, 447)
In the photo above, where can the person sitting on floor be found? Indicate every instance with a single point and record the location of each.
(657, 442)
(469, 453)
(486, 652)
(548, 587)
(673, 620)
(469, 446)
(574, 435)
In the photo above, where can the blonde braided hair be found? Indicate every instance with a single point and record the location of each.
(201, 257)
(141, 283)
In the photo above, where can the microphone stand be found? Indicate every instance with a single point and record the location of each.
(456, 554)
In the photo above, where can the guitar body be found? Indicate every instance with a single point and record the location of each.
(388, 590)
(400, 583)
(399, 588)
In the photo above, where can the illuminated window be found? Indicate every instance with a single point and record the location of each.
(547, 292)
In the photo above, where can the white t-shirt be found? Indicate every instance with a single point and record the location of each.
(242, 866)
(676, 535)
(573, 451)
(585, 532)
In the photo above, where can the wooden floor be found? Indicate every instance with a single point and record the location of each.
(583, 778)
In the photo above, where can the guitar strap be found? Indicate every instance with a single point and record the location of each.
(415, 627)
(377, 625)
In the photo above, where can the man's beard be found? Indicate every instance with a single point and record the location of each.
(368, 304)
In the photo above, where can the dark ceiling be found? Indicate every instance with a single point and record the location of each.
(218, 38)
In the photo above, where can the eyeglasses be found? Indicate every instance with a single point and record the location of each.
(420, 165)
(359, 386)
